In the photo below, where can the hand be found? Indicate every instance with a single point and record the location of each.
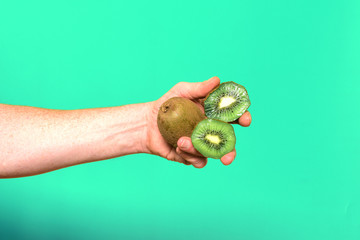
(185, 152)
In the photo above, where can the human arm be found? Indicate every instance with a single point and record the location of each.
(36, 140)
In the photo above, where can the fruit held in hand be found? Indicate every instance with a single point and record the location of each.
(213, 138)
(227, 102)
(177, 117)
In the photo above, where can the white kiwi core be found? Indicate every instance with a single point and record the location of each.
(226, 101)
(213, 138)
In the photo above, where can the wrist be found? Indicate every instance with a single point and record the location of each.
(132, 132)
(117, 131)
(145, 123)
(151, 134)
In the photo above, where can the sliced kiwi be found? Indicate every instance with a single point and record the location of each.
(213, 138)
(227, 102)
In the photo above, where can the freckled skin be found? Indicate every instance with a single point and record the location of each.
(178, 117)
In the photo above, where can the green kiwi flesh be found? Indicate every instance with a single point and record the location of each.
(213, 138)
(177, 117)
(227, 102)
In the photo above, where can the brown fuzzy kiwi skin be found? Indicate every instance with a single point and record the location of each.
(178, 117)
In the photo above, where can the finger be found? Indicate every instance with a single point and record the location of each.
(228, 158)
(185, 145)
(199, 89)
(173, 156)
(245, 119)
(180, 159)
(198, 162)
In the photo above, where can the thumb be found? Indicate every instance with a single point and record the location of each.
(200, 89)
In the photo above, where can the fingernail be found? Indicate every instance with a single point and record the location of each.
(180, 142)
(184, 144)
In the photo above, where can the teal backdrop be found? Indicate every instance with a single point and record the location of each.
(297, 173)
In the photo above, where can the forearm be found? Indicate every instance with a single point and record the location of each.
(35, 140)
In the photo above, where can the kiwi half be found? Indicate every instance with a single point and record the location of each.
(227, 102)
(213, 138)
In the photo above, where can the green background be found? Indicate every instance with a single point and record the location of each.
(297, 173)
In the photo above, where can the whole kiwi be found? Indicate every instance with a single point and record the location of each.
(177, 117)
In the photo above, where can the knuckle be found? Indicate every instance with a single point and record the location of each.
(180, 84)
